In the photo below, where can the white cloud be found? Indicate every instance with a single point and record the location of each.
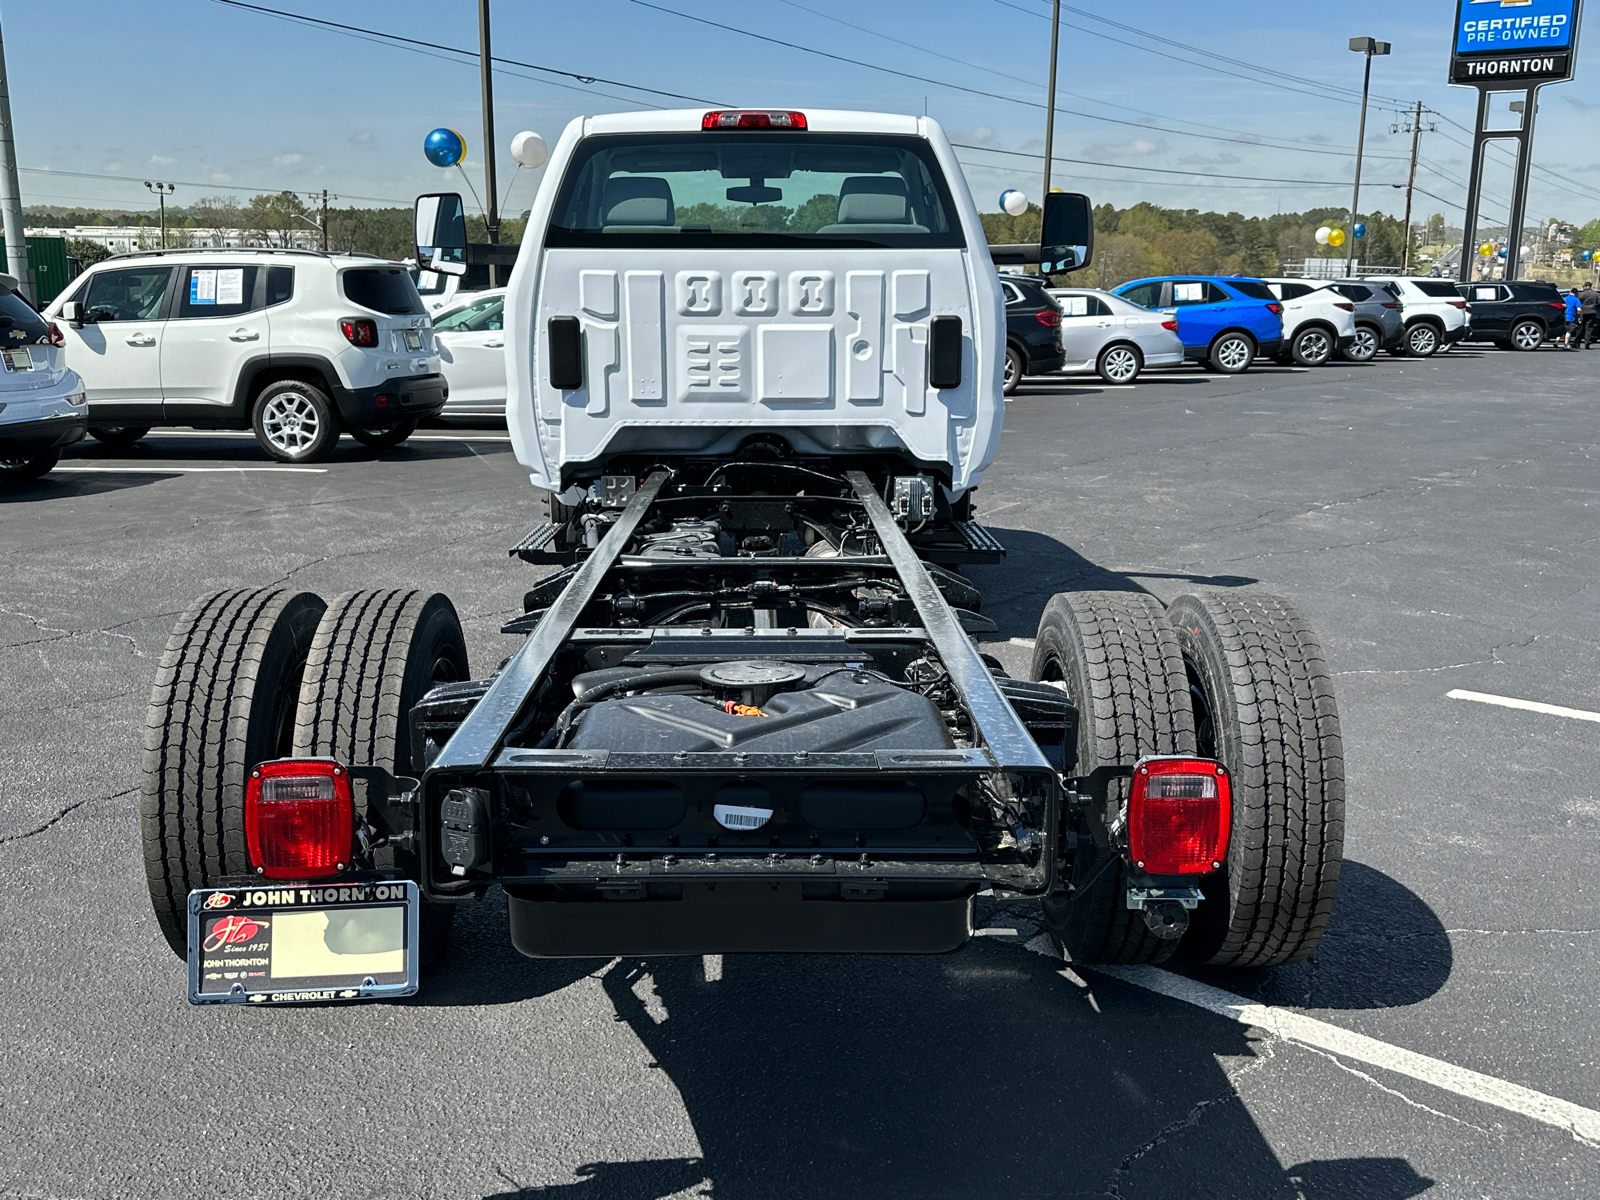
(1315, 137)
(221, 177)
(161, 160)
(288, 160)
(1137, 148)
(113, 168)
(1199, 160)
(363, 137)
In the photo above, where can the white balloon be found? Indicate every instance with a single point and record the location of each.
(529, 150)
(1322, 235)
(1014, 202)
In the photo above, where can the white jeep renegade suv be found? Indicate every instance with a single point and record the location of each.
(295, 345)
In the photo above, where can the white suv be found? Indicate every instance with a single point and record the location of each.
(41, 401)
(294, 345)
(1434, 313)
(1317, 321)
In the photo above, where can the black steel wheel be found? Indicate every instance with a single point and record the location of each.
(118, 435)
(385, 438)
(375, 654)
(1117, 657)
(1264, 706)
(224, 700)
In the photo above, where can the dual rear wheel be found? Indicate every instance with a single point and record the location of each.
(1239, 677)
(255, 674)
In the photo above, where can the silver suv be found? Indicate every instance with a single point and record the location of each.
(41, 401)
(294, 345)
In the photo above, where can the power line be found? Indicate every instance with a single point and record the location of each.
(217, 187)
(856, 62)
(358, 31)
(1089, 162)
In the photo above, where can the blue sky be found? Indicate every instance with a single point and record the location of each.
(215, 97)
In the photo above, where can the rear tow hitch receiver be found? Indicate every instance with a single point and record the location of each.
(1166, 910)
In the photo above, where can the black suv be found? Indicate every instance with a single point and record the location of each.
(1514, 316)
(1033, 330)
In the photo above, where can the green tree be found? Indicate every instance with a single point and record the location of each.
(86, 252)
(822, 209)
(1144, 220)
(1119, 257)
(1435, 233)
(276, 220)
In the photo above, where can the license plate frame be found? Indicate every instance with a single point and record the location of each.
(17, 358)
(237, 943)
(413, 339)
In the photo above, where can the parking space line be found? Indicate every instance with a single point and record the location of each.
(153, 469)
(227, 433)
(1552, 710)
(1582, 1123)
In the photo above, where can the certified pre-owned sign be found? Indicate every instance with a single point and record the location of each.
(1518, 42)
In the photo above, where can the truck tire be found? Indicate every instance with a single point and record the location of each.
(295, 422)
(1264, 706)
(1118, 658)
(224, 700)
(387, 437)
(375, 654)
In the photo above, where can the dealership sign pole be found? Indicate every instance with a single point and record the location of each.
(1509, 46)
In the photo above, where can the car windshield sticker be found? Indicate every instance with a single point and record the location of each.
(1487, 293)
(1186, 291)
(1075, 306)
(202, 287)
(230, 286)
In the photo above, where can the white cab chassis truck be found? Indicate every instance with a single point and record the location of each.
(754, 362)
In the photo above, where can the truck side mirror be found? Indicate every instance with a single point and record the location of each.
(441, 229)
(1066, 239)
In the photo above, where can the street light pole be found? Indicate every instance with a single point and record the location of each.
(1050, 112)
(1369, 47)
(491, 211)
(11, 191)
(162, 191)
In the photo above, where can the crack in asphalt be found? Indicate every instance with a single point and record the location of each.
(68, 634)
(61, 813)
(1494, 660)
(1359, 1074)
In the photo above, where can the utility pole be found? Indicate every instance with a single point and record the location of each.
(1050, 112)
(325, 210)
(11, 191)
(1369, 47)
(162, 191)
(1411, 182)
(491, 211)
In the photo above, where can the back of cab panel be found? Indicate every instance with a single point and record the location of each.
(694, 335)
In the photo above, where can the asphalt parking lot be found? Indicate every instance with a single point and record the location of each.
(1436, 521)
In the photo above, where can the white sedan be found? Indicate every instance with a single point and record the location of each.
(1107, 334)
(470, 337)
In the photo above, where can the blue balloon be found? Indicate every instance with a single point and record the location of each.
(444, 147)
(1361, 229)
(1587, 255)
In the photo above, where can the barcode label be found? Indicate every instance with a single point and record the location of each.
(730, 817)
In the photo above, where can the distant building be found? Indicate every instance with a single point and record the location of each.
(123, 239)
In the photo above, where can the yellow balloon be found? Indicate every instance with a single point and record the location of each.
(1486, 249)
(1336, 237)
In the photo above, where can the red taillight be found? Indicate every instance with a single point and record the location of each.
(1391, 304)
(358, 331)
(1170, 325)
(1275, 308)
(1178, 816)
(1551, 303)
(1456, 303)
(1345, 306)
(299, 818)
(1050, 318)
(744, 119)
(59, 339)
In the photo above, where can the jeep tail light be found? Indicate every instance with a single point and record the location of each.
(1178, 816)
(1346, 306)
(1050, 318)
(745, 119)
(1170, 324)
(299, 818)
(59, 339)
(358, 331)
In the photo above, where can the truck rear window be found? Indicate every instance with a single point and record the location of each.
(385, 289)
(740, 189)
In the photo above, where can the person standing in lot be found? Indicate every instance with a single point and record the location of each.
(1588, 316)
(1572, 317)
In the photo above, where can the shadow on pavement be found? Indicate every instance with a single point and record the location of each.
(1053, 566)
(980, 1073)
(480, 966)
(1385, 948)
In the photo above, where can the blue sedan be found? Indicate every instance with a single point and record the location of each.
(1224, 323)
